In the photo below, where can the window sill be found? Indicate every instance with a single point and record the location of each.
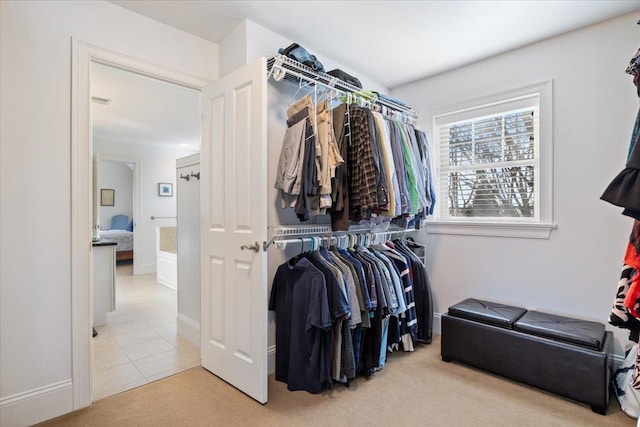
(517, 230)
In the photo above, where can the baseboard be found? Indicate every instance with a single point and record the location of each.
(618, 360)
(37, 405)
(437, 323)
(271, 357)
(147, 268)
(188, 329)
(168, 283)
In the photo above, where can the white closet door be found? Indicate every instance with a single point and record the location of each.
(234, 214)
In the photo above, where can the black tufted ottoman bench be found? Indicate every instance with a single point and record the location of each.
(569, 357)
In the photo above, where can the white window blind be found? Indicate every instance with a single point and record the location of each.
(489, 164)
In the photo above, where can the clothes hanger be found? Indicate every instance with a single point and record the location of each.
(328, 240)
(295, 95)
(325, 94)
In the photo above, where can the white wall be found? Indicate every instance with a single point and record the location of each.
(35, 216)
(249, 41)
(233, 49)
(262, 42)
(118, 177)
(576, 271)
(188, 209)
(157, 164)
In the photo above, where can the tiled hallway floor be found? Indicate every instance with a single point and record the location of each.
(139, 344)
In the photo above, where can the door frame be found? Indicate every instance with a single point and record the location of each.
(82, 55)
(136, 201)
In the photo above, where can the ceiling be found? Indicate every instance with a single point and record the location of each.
(144, 110)
(391, 42)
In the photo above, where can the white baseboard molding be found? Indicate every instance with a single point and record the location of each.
(167, 269)
(437, 323)
(618, 360)
(37, 405)
(147, 268)
(271, 357)
(168, 283)
(188, 329)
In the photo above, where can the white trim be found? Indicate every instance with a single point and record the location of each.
(493, 98)
(437, 324)
(137, 266)
(191, 160)
(81, 218)
(271, 359)
(51, 401)
(82, 55)
(488, 109)
(618, 360)
(167, 266)
(189, 329)
(147, 268)
(497, 229)
(539, 230)
(36, 392)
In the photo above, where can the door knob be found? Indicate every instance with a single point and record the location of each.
(254, 247)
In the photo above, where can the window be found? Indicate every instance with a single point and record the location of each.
(494, 165)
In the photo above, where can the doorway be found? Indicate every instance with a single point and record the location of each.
(234, 123)
(140, 126)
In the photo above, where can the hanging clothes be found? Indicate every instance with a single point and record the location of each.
(388, 166)
(430, 189)
(355, 164)
(299, 298)
(363, 173)
(422, 289)
(339, 186)
(339, 311)
(624, 191)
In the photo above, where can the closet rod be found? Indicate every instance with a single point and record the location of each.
(378, 237)
(162, 217)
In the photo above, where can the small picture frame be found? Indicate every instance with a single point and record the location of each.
(107, 197)
(165, 189)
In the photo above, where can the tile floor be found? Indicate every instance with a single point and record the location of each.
(139, 344)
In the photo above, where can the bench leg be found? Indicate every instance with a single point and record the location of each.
(599, 410)
(446, 359)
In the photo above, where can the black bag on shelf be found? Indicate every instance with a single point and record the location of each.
(347, 78)
(300, 54)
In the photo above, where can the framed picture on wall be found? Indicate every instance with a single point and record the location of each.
(107, 197)
(165, 189)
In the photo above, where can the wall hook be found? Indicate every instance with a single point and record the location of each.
(185, 177)
(196, 175)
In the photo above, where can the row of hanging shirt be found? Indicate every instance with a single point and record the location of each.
(338, 312)
(355, 164)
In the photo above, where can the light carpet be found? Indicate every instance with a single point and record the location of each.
(413, 389)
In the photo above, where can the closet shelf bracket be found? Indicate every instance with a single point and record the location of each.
(283, 231)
